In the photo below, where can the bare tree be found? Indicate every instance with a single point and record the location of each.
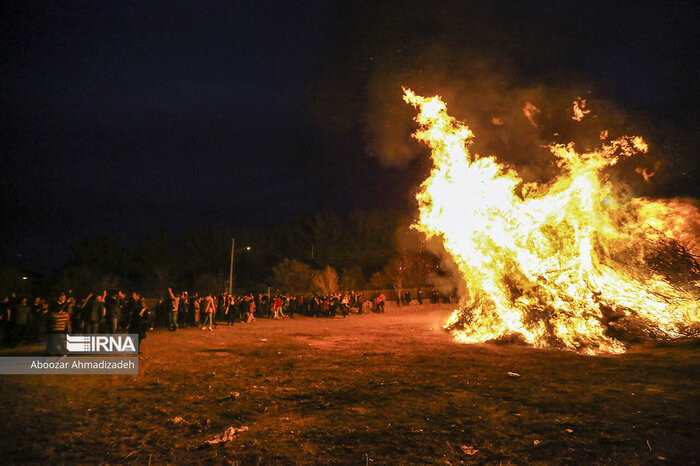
(410, 269)
(326, 280)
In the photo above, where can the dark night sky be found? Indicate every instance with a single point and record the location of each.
(129, 117)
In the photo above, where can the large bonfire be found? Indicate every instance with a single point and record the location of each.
(569, 264)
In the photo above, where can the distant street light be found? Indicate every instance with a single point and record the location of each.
(230, 276)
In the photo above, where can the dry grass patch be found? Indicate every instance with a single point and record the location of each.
(379, 389)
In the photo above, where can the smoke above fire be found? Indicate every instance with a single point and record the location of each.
(516, 121)
(569, 260)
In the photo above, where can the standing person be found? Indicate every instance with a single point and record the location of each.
(217, 311)
(95, 313)
(251, 310)
(130, 304)
(209, 310)
(195, 305)
(174, 306)
(20, 321)
(58, 326)
(326, 306)
(381, 299)
(242, 308)
(113, 307)
(293, 306)
(140, 320)
(182, 310)
(276, 307)
(220, 304)
(77, 312)
(74, 310)
(345, 305)
(257, 301)
(41, 315)
(407, 298)
(230, 310)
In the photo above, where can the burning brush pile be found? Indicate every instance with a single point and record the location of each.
(570, 264)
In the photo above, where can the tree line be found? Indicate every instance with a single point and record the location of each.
(323, 252)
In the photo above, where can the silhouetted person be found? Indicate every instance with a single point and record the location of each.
(174, 306)
(58, 325)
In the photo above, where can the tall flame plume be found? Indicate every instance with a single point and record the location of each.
(555, 264)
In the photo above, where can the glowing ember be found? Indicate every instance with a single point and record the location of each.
(557, 264)
(579, 112)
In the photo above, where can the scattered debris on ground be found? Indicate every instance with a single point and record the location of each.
(469, 450)
(225, 437)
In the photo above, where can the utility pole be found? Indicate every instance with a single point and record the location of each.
(230, 275)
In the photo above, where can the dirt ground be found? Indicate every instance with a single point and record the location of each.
(370, 389)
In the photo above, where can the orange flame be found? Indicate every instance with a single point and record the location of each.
(579, 112)
(543, 261)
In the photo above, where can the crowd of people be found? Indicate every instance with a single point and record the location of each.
(24, 320)
(184, 310)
